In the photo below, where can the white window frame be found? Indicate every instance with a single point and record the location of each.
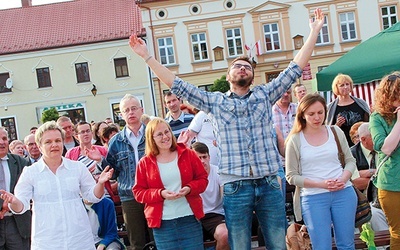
(324, 32)
(389, 16)
(166, 51)
(200, 42)
(234, 42)
(346, 22)
(273, 35)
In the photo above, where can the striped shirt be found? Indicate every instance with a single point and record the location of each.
(243, 124)
(284, 121)
(180, 124)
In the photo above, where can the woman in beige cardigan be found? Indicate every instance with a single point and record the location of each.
(324, 195)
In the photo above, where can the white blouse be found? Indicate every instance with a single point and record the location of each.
(59, 219)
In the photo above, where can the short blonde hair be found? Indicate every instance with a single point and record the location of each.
(339, 79)
(50, 125)
(151, 146)
(14, 143)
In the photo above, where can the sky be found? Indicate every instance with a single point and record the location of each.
(6, 4)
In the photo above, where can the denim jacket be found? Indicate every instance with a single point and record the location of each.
(121, 158)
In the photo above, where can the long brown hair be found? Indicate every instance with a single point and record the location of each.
(308, 100)
(387, 92)
(151, 146)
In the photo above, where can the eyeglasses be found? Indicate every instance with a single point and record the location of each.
(87, 131)
(161, 134)
(31, 144)
(133, 108)
(239, 66)
(393, 77)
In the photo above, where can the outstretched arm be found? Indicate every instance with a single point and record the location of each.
(305, 52)
(139, 47)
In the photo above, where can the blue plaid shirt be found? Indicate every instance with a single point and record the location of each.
(243, 124)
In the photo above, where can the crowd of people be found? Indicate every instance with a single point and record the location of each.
(208, 169)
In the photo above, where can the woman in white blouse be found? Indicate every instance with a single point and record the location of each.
(55, 185)
(322, 185)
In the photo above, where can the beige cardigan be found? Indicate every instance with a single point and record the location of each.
(293, 168)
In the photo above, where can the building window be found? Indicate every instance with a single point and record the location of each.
(323, 36)
(199, 46)
(43, 77)
(234, 39)
(271, 35)
(271, 76)
(206, 87)
(121, 67)
(82, 72)
(3, 79)
(9, 124)
(166, 50)
(389, 16)
(348, 26)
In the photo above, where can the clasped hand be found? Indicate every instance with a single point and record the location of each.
(169, 195)
(334, 184)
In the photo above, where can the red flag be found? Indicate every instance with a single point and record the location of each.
(258, 47)
(246, 47)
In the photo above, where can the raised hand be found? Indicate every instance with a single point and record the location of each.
(138, 46)
(318, 20)
(106, 175)
(93, 153)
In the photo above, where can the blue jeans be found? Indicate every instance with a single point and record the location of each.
(264, 197)
(320, 211)
(179, 234)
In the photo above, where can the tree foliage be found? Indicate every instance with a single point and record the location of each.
(50, 115)
(221, 85)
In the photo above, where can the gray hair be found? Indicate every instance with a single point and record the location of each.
(128, 97)
(5, 130)
(50, 125)
(363, 130)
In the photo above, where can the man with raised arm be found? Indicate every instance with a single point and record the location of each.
(249, 159)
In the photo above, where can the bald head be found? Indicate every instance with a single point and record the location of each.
(363, 130)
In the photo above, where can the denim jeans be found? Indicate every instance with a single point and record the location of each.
(320, 211)
(183, 233)
(264, 197)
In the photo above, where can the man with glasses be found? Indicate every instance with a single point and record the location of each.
(87, 153)
(69, 141)
(32, 149)
(249, 159)
(124, 151)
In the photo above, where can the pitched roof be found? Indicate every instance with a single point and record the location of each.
(67, 24)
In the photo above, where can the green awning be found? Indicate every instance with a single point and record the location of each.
(368, 61)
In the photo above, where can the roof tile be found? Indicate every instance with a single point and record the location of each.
(67, 24)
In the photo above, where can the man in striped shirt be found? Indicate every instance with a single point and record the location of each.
(177, 119)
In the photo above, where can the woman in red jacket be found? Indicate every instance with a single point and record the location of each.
(169, 180)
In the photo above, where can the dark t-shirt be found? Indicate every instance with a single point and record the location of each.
(353, 113)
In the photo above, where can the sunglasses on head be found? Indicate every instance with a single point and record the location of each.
(393, 77)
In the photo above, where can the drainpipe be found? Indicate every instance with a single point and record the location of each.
(138, 3)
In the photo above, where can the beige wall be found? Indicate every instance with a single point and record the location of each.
(27, 100)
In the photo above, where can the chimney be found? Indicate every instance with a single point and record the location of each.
(26, 3)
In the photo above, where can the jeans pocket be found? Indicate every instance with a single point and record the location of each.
(273, 182)
(231, 188)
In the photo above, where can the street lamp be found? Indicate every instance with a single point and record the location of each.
(94, 90)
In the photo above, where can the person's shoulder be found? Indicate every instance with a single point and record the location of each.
(22, 161)
(355, 148)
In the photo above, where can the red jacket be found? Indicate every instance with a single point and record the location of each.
(148, 184)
